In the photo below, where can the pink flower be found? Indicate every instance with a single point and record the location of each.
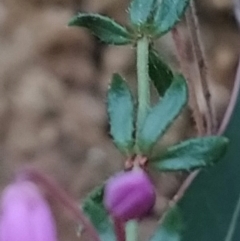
(25, 214)
(129, 195)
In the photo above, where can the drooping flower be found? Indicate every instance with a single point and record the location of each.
(129, 195)
(25, 214)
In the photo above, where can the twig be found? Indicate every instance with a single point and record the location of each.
(186, 69)
(60, 195)
(193, 27)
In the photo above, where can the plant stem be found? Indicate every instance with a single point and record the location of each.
(60, 195)
(119, 227)
(186, 69)
(143, 80)
(193, 27)
(131, 231)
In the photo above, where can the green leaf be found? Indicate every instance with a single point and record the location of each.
(159, 72)
(171, 227)
(192, 154)
(141, 11)
(211, 205)
(106, 29)
(121, 114)
(168, 14)
(163, 114)
(94, 209)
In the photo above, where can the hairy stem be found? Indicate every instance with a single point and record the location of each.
(143, 79)
(60, 195)
(193, 27)
(186, 69)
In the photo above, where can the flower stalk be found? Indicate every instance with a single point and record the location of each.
(119, 227)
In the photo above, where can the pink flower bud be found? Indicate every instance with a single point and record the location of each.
(25, 215)
(129, 195)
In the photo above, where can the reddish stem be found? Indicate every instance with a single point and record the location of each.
(119, 227)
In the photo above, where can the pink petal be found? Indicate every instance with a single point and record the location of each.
(26, 215)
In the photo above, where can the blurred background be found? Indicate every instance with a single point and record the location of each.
(53, 82)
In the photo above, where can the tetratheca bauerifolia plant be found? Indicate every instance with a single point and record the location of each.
(112, 211)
